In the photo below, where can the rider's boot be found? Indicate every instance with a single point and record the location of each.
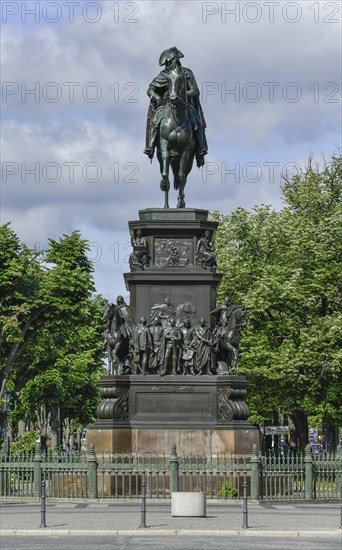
(201, 145)
(150, 145)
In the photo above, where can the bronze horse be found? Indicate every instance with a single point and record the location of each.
(229, 339)
(176, 140)
(116, 342)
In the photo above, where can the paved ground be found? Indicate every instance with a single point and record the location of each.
(225, 542)
(321, 521)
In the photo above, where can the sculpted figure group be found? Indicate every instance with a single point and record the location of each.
(170, 344)
(140, 258)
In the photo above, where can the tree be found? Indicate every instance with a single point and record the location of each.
(51, 332)
(20, 273)
(58, 373)
(286, 268)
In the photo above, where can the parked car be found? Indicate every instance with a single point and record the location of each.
(316, 449)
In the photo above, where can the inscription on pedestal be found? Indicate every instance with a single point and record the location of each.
(191, 408)
(173, 389)
(171, 402)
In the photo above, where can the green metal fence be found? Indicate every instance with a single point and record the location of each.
(17, 476)
(282, 478)
(327, 477)
(66, 476)
(220, 476)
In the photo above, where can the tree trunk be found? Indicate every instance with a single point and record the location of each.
(78, 438)
(331, 437)
(55, 428)
(21, 428)
(298, 424)
(18, 348)
(67, 434)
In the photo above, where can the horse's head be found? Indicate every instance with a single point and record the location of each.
(177, 86)
(116, 319)
(241, 316)
(238, 318)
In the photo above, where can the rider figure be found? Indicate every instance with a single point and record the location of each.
(125, 315)
(158, 92)
(223, 313)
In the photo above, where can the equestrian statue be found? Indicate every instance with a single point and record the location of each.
(175, 123)
(230, 320)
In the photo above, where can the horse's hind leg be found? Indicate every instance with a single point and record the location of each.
(166, 201)
(181, 197)
(182, 179)
(164, 183)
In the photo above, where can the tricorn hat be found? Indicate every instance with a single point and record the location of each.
(169, 54)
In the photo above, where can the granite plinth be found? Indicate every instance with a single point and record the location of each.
(144, 440)
(150, 413)
(167, 214)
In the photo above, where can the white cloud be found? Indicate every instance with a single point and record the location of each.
(110, 132)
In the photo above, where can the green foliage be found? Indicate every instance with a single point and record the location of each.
(50, 328)
(227, 491)
(285, 267)
(24, 444)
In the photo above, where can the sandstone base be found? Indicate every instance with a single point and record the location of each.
(204, 441)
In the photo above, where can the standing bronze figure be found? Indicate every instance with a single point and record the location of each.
(172, 345)
(204, 344)
(175, 123)
(143, 346)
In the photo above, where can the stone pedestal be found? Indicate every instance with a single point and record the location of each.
(203, 441)
(148, 413)
(178, 278)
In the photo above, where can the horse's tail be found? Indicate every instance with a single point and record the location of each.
(175, 168)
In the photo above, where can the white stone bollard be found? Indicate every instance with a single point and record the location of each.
(188, 504)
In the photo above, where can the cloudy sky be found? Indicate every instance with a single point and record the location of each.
(74, 104)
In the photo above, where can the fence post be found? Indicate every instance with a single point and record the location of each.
(174, 465)
(37, 476)
(254, 473)
(308, 473)
(92, 471)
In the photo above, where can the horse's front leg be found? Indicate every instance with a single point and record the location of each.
(116, 359)
(111, 365)
(182, 178)
(164, 183)
(236, 360)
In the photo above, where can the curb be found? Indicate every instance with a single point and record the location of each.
(335, 534)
